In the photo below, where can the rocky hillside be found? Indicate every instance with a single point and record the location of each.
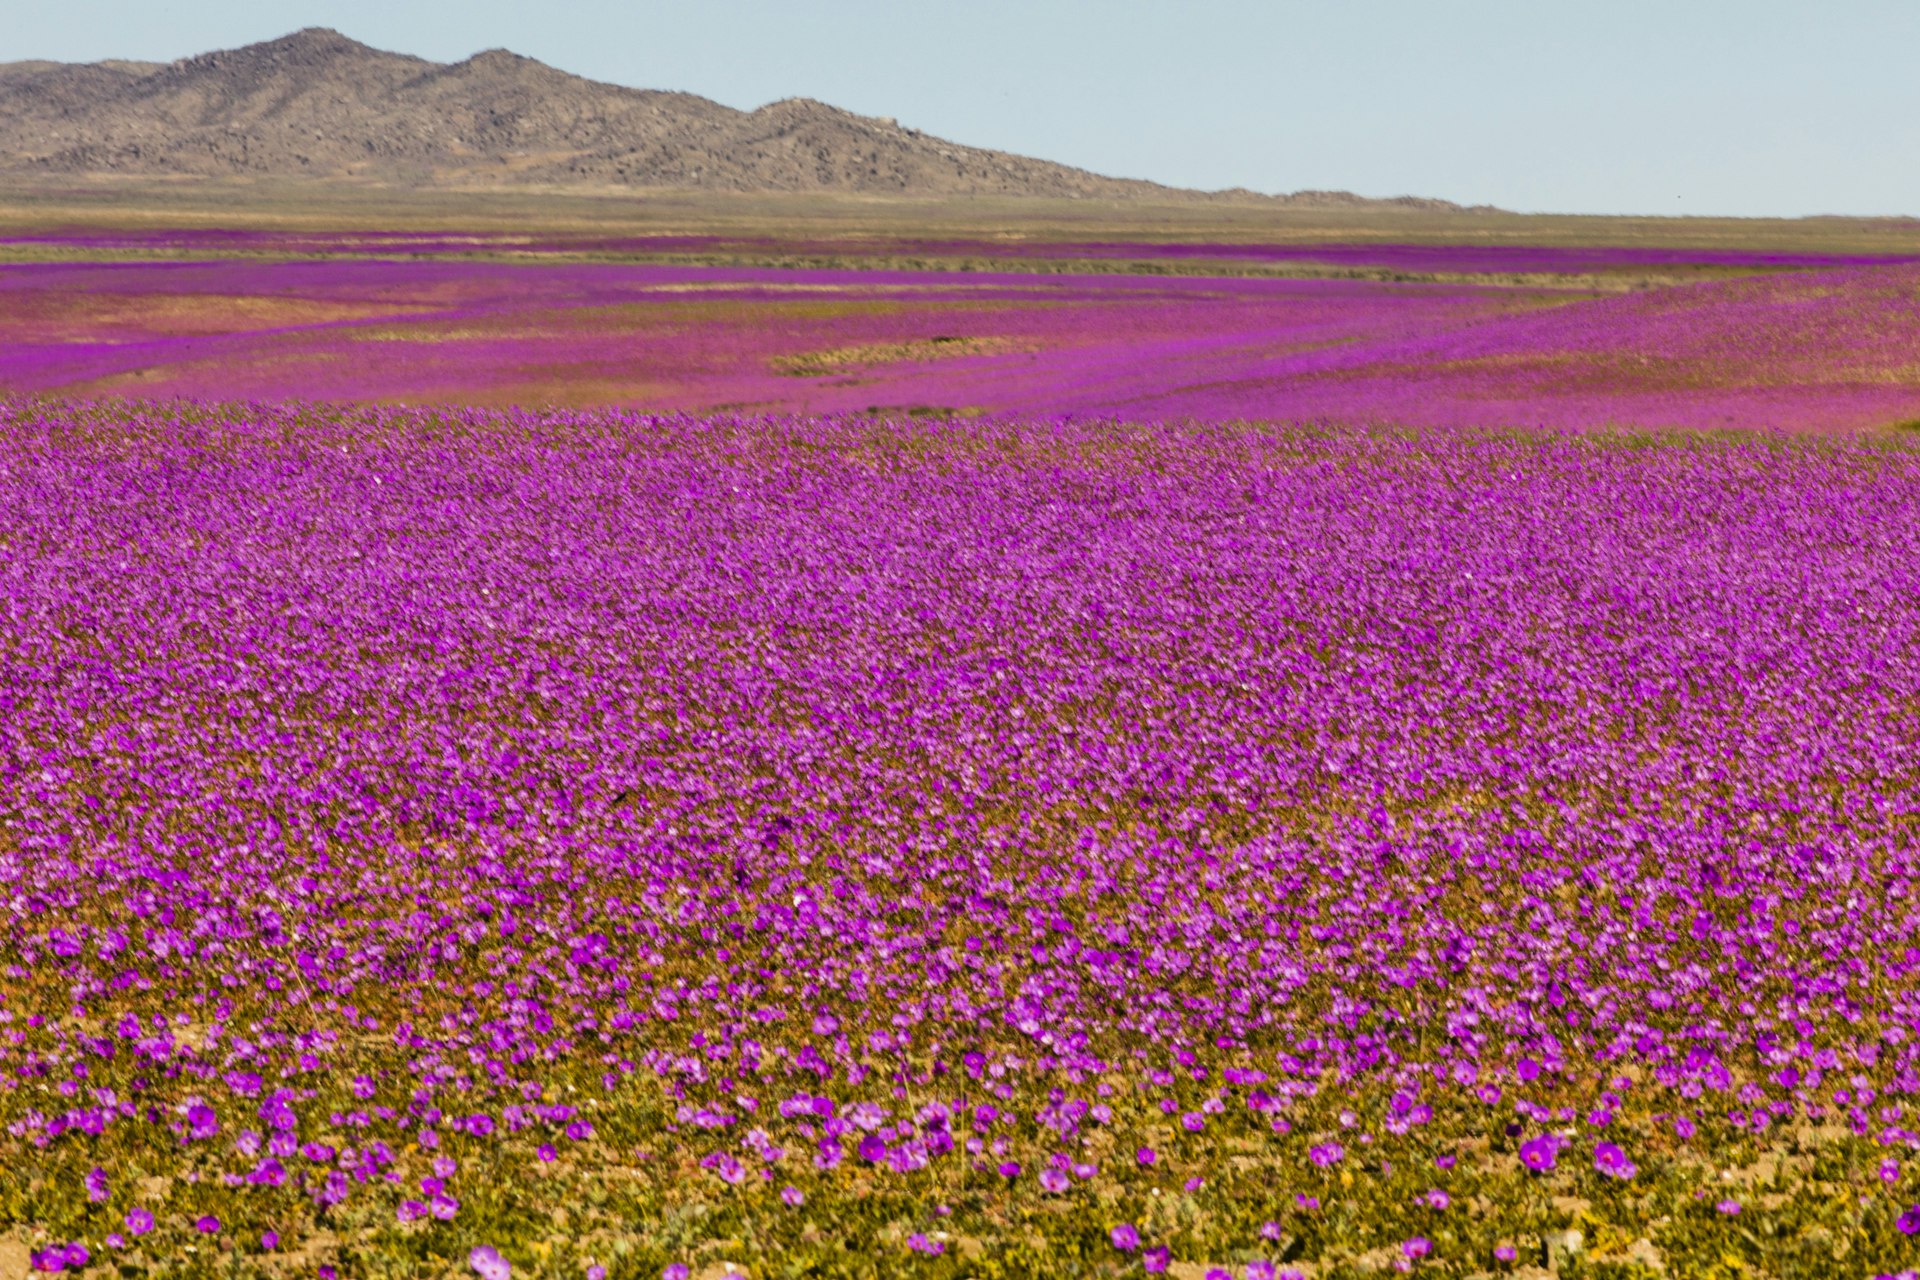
(317, 104)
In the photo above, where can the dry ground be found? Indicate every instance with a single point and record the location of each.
(127, 205)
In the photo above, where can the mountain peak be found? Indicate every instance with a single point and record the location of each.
(499, 58)
(317, 36)
(307, 42)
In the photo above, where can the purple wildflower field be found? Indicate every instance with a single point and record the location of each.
(1833, 345)
(1259, 777)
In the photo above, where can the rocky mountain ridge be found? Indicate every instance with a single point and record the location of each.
(316, 104)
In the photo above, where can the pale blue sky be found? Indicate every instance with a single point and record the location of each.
(1626, 106)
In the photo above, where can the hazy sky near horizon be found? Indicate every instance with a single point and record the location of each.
(1745, 107)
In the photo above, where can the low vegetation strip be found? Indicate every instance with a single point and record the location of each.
(597, 844)
(837, 360)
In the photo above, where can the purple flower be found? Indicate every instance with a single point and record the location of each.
(675, 1271)
(1326, 1154)
(410, 1211)
(919, 1243)
(486, 1260)
(1193, 1122)
(1438, 1199)
(1416, 1248)
(269, 1240)
(1539, 1154)
(278, 1113)
(1908, 1223)
(207, 1225)
(546, 1154)
(792, 1197)
(1009, 1169)
(1125, 1237)
(1259, 1269)
(333, 1189)
(96, 1184)
(1155, 1260)
(1612, 1161)
(1145, 1155)
(139, 1221)
(1728, 1207)
(60, 1257)
(443, 1207)
(478, 1124)
(1054, 1181)
(201, 1122)
(872, 1149)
